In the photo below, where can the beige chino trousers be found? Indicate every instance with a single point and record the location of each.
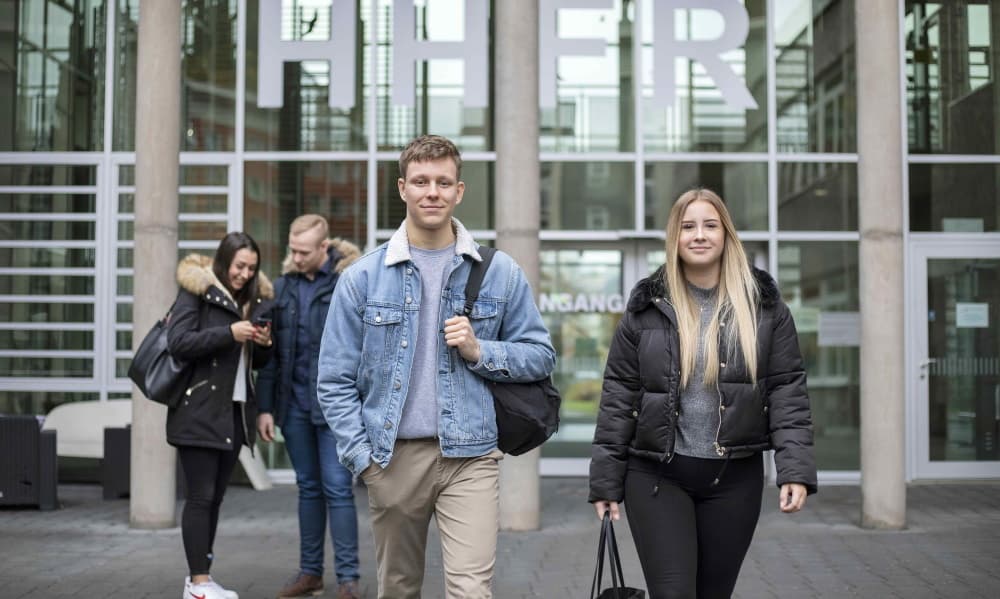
(462, 494)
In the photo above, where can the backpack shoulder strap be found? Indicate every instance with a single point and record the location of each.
(476, 275)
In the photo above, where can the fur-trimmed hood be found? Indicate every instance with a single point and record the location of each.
(194, 274)
(653, 286)
(343, 251)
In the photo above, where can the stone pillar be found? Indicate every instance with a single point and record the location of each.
(881, 265)
(517, 194)
(157, 143)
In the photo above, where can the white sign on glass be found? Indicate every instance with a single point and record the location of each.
(969, 315)
(839, 329)
(340, 50)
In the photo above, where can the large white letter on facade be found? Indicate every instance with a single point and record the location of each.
(273, 52)
(407, 50)
(551, 46)
(666, 48)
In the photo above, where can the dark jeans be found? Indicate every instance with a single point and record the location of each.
(691, 536)
(207, 473)
(326, 492)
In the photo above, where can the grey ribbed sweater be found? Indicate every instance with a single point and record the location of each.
(699, 419)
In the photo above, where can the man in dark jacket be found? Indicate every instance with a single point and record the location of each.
(286, 395)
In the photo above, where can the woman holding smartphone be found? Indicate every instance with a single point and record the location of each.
(220, 325)
(704, 374)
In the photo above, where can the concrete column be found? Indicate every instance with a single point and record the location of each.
(157, 143)
(880, 258)
(515, 127)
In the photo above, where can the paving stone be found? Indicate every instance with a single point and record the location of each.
(86, 549)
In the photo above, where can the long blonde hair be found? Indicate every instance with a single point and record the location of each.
(735, 302)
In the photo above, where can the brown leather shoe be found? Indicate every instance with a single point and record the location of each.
(303, 585)
(348, 590)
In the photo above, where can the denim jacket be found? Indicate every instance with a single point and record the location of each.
(368, 345)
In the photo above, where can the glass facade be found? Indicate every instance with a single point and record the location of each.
(649, 102)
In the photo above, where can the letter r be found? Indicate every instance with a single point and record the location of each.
(708, 52)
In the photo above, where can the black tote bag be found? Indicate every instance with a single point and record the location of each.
(158, 375)
(618, 589)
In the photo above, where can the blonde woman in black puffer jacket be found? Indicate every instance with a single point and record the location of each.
(703, 375)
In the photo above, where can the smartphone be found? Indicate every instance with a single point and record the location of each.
(262, 321)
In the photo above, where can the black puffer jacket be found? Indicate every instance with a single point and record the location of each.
(640, 397)
(199, 333)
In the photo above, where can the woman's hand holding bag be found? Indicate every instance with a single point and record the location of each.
(617, 590)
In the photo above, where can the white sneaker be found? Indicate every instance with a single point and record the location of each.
(226, 593)
(206, 590)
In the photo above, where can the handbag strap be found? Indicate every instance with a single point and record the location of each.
(595, 584)
(609, 542)
(476, 275)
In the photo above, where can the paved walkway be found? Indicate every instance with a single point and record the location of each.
(86, 549)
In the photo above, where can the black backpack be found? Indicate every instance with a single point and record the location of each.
(527, 413)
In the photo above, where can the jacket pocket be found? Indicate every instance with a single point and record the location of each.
(382, 331)
(484, 317)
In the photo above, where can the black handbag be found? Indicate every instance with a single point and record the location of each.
(158, 375)
(618, 588)
(527, 413)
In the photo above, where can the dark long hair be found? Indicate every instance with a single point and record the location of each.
(230, 244)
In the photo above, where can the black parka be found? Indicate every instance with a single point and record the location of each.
(199, 333)
(640, 400)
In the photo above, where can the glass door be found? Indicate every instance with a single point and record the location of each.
(955, 365)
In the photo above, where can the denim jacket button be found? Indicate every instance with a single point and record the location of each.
(378, 319)
(489, 365)
(388, 425)
(396, 385)
(409, 300)
(404, 343)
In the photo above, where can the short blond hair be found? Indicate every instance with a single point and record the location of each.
(308, 222)
(427, 148)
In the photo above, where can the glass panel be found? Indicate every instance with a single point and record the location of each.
(951, 77)
(277, 192)
(955, 198)
(437, 100)
(122, 366)
(123, 341)
(208, 75)
(204, 174)
(38, 402)
(188, 204)
(963, 300)
(819, 282)
(42, 340)
(47, 174)
(815, 76)
(305, 120)
(54, 230)
(475, 211)
(188, 230)
(581, 302)
(701, 118)
(594, 104)
(52, 82)
(125, 254)
(46, 367)
(42, 203)
(47, 257)
(123, 313)
(817, 196)
(39, 284)
(743, 186)
(590, 196)
(124, 285)
(39, 312)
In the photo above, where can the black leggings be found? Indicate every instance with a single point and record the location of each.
(691, 536)
(206, 472)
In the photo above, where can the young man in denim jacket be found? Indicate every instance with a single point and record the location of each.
(403, 381)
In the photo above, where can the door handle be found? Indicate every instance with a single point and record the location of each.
(923, 365)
